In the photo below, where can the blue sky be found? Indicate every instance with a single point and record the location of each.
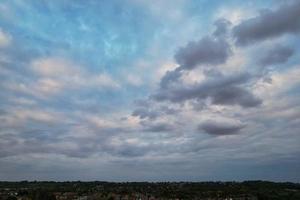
(137, 90)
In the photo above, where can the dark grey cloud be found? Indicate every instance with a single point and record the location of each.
(222, 27)
(142, 103)
(82, 147)
(221, 128)
(269, 24)
(223, 90)
(235, 95)
(167, 110)
(146, 109)
(276, 55)
(145, 113)
(207, 51)
(170, 77)
(126, 150)
(132, 151)
(14, 146)
(6, 142)
(157, 127)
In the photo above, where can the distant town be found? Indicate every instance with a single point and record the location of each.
(98, 190)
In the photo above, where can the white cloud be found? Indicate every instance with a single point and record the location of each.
(236, 62)
(48, 86)
(102, 80)
(5, 39)
(164, 67)
(56, 74)
(23, 101)
(41, 88)
(280, 82)
(18, 116)
(234, 15)
(54, 67)
(134, 80)
(36, 114)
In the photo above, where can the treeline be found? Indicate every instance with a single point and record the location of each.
(163, 190)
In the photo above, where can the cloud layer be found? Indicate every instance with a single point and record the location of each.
(132, 91)
(269, 24)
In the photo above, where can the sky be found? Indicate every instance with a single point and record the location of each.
(138, 90)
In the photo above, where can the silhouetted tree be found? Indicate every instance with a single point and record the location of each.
(43, 195)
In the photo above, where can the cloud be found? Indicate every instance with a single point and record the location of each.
(61, 103)
(143, 113)
(207, 51)
(223, 90)
(134, 80)
(131, 151)
(281, 82)
(157, 127)
(235, 95)
(147, 109)
(269, 24)
(276, 55)
(70, 74)
(223, 127)
(54, 66)
(41, 88)
(170, 77)
(222, 27)
(53, 75)
(47, 86)
(5, 39)
(102, 80)
(18, 116)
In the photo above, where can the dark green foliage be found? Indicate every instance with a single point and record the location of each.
(42, 195)
(11, 198)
